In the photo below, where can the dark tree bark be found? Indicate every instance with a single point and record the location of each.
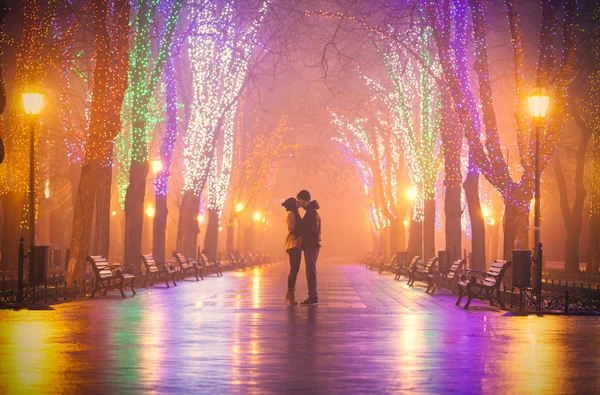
(211, 238)
(415, 237)
(471, 186)
(102, 212)
(573, 218)
(452, 145)
(109, 85)
(134, 213)
(12, 204)
(187, 230)
(429, 230)
(159, 228)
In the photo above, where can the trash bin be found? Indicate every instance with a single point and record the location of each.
(38, 264)
(521, 269)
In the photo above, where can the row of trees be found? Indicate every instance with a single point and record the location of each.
(440, 44)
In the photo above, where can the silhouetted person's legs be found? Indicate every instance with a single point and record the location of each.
(310, 260)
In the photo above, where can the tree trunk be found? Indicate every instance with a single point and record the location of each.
(396, 230)
(159, 228)
(594, 245)
(102, 232)
(187, 229)
(82, 222)
(471, 186)
(211, 238)
(134, 213)
(593, 263)
(12, 207)
(415, 238)
(429, 230)
(452, 145)
(230, 235)
(516, 225)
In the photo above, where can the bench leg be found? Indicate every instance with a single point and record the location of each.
(174, 283)
(470, 296)
(460, 295)
(119, 286)
(133, 286)
(430, 286)
(167, 279)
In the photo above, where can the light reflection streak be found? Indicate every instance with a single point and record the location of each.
(152, 326)
(30, 356)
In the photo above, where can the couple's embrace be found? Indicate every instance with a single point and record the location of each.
(304, 234)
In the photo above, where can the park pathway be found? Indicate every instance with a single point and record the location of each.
(235, 335)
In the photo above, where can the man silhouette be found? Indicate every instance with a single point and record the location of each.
(311, 243)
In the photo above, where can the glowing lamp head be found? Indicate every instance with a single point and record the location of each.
(492, 222)
(539, 101)
(157, 166)
(150, 211)
(406, 223)
(411, 194)
(220, 228)
(239, 207)
(200, 218)
(257, 216)
(32, 102)
(114, 213)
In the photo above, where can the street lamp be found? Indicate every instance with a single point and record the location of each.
(32, 106)
(150, 211)
(257, 216)
(411, 194)
(539, 101)
(239, 207)
(157, 166)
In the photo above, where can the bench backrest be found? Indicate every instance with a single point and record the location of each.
(100, 266)
(415, 261)
(180, 258)
(204, 259)
(457, 265)
(496, 272)
(431, 264)
(232, 257)
(149, 263)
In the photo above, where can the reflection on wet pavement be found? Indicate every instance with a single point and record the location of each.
(234, 334)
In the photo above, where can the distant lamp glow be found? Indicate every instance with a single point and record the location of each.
(200, 218)
(114, 213)
(157, 166)
(220, 228)
(539, 101)
(492, 222)
(257, 216)
(239, 207)
(485, 211)
(47, 189)
(411, 194)
(150, 211)
(32, 103)
(406, 223)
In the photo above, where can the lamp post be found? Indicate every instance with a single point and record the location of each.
(539, 101)
(32, 106)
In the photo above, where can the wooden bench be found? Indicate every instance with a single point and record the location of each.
(390, 265)
(156, 270)
(236, 263)
(109, 277)
(421, 272)
(211, 267)
(400, 269)
(482, 285)
(447, 279)
(186, 266)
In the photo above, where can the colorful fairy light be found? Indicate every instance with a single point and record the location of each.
(220, 54)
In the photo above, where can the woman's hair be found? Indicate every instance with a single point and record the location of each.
(290, 204)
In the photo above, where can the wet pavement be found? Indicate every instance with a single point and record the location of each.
(235, 335)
